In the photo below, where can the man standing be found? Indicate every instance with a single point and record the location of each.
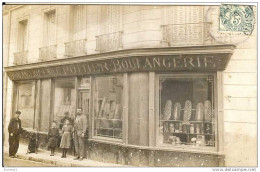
(80, 128)
(14, 129)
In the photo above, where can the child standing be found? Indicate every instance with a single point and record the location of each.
(66, 132)
(53, 136)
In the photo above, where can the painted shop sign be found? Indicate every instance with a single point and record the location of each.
(128, 64)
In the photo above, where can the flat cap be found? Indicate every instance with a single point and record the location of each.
(18, 112)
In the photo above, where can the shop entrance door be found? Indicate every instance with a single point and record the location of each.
(84, 102)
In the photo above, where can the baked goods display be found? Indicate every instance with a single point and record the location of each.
(199, 112)
(191, 121)
(176, 111)
(187, 110)
(207, 111)
(167, 110)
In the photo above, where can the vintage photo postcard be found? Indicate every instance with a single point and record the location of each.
(130, 85)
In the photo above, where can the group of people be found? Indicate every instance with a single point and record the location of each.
(77, 132)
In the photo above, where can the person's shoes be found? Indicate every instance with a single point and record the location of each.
(12, 156)
(80, 159)
(62, 156)
(52, 155)
(76, 158)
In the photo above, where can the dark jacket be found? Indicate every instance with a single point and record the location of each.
(15, 126)
(53, 136)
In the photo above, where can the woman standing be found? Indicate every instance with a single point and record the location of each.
(66, 133)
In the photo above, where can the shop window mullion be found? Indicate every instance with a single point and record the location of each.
(151, 108)
(125, 110)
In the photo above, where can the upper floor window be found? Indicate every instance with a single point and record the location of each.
(49, 35)
(22, 36)
(21, 56)
(77, 35)
(78, 22)
(110, 31)
(48, 51)
(110, 19)
(184, 25)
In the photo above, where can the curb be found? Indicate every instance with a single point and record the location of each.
(29, 158)
(58, 163)
(47, 161)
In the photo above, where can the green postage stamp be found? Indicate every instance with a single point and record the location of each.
(236, 18)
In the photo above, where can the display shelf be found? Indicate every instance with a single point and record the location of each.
(187, 122)
(187, 144)
(192, 133)
(108, 119)
(118, 129)
(111, 128)
(103, 135)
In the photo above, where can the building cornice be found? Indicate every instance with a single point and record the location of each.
(169, 59)
(211, 49)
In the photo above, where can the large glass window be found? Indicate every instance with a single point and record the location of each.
(64, 99)
(187, 115)
(26, 103)
(108, 98)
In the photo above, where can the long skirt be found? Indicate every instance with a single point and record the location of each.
(65, 140)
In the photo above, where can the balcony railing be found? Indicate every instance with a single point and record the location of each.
(20, 58)
(186, 34)
(48, 53)
(109, 42)
(75, 48)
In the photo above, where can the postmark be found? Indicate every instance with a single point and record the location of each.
(236, 18)
(230, 24)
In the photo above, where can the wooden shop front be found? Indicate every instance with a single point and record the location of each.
(147, 107)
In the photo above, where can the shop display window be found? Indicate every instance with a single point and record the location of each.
(64, 99)
(108, 98)
(187, 111)
(25, 103)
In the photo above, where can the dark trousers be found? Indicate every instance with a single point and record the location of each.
(13, 144)
(52, 150)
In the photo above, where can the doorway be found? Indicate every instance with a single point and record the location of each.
(84, 102)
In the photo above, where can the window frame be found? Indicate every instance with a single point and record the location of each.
(217, 79)
(21, 21)
(73, 35)
(45, 13)
(67, 79)
(92, 115)
(16, 96)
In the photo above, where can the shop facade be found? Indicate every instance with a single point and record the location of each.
(157, 90)
(140, 109)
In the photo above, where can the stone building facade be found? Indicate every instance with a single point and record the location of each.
(148, 78)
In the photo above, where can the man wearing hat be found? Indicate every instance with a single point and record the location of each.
(80, 128)
(14, 129)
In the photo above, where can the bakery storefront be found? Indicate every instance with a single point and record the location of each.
(151, 106)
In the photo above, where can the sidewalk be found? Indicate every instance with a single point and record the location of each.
(44, 157)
